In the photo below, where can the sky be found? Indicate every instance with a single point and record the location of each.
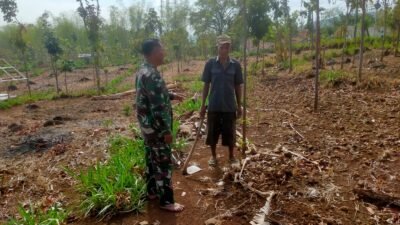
(30, 10)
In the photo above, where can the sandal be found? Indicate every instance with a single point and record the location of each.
(212, 162)
(176, 207)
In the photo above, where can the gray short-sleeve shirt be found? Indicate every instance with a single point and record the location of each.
(223, 81)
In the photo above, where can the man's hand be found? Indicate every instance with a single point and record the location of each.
(168, 138)
(203, 111)
(239, 112)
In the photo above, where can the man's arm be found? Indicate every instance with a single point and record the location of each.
(238, 89)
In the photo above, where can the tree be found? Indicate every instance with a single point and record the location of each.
(152, 22)
(217, 15)
(361, 54)
(90, 14)
(346, 22)
(67, 66)
(317, 56)
(385, 9)
(259, 21)
(9, 9)
(396, 21)
(288, 21)
(52, 45)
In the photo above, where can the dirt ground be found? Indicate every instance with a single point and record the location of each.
(315, 162)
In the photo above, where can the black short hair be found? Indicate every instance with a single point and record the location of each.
(149, 45)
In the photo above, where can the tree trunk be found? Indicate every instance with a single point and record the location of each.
(360, 65)
(28, 83)
(384, 29)
(244, 131)
(290, 46)
(345, 36)
(65, 82)
(97, 71)
(258, 52)
(398, 41)
(317, 58)
(263, 60)
(355, 29)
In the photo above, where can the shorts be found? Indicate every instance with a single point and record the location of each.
(221, 124)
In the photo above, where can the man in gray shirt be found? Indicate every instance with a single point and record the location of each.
(223, 81)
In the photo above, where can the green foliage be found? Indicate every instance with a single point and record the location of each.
(334, 77)
(116, 185)
(187, 106)
(52, 216)
(24, 99)
(127, 110)
(67, 66)
(9, 10)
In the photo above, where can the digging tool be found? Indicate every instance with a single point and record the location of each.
(198, 132)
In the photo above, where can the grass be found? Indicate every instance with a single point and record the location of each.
(179, 143)
(114, 86)
(187, 106)
(334, 77)
(25, 99)
(127, 110)
(116, 185)
(55, 215)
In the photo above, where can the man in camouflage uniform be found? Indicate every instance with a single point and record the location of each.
(154, 113)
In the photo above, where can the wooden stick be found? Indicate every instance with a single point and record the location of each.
(294, 129)
(185, 165)
(300, 156)
(380, 199)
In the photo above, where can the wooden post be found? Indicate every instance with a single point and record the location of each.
(244, 131)
(317, 59)
(360, 65)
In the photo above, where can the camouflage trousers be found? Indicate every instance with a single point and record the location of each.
(159, 172)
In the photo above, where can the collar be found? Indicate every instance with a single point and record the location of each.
(230, 60)
(146, 63)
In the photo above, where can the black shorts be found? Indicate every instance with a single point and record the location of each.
(221, 123)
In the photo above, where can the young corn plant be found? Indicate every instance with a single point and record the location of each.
(116, 185)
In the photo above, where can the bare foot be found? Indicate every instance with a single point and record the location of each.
(173, 207)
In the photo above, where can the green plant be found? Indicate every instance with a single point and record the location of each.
(116, 185)
(179, 143)
(127, 110)
(55, 215)
(107, 123)
(187, 106)
(23, 99)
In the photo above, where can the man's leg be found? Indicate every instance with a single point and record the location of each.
(213, 126)
(162, 165)
(150, 180)
(229, 133)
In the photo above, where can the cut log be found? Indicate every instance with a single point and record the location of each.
(379, 199)
(114, 96)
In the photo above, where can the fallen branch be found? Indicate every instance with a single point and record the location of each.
(380, 199)
(126, 93)
(302, 157)
(258, 192)
(113, 96)
(294, 129)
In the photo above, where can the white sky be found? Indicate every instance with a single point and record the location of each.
(30, 10)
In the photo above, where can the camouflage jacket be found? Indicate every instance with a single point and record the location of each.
(153, 104)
